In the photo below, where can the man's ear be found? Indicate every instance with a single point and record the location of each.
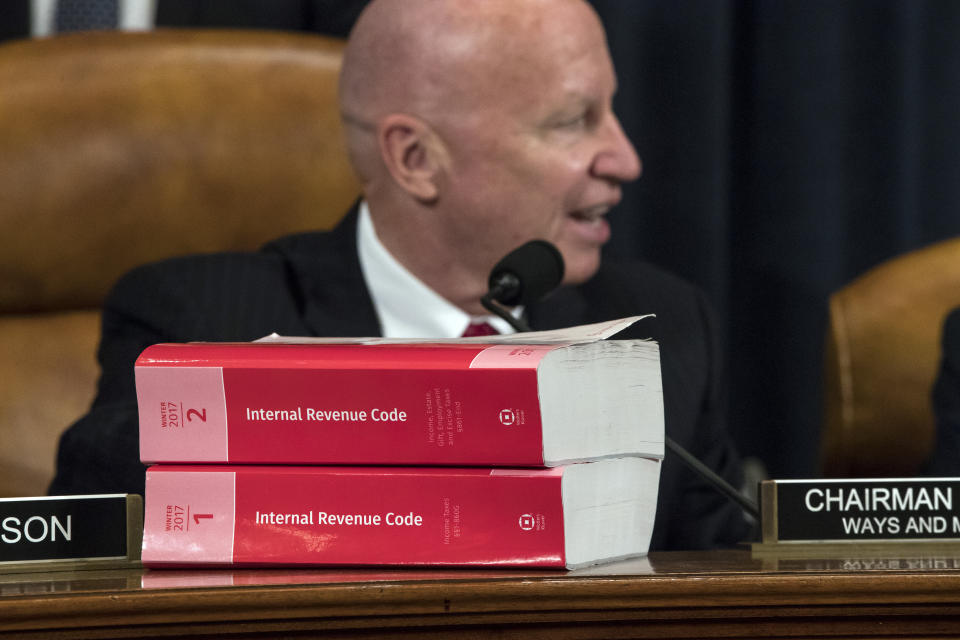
(412, 153)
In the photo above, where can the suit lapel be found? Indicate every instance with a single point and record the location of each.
(326, 269)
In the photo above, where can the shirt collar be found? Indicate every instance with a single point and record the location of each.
(406, 307)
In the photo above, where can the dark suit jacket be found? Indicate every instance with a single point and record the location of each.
(311, 285)
(330, 17)
(945, 459)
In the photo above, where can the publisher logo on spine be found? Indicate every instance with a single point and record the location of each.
(507, 417)
(531, 522)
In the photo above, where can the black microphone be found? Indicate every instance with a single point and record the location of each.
(524, 276)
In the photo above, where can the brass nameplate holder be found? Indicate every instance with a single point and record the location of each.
(70, 532)
(836, 517)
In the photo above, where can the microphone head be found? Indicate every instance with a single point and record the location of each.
(527, 274)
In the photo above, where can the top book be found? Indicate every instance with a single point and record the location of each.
(537, 399)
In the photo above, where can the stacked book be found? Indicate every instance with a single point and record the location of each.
(538, 449)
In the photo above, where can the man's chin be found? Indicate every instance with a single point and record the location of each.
(580, 268)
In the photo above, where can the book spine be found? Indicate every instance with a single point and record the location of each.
(481, 408)
(262, 516)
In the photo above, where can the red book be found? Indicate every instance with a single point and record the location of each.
(454, 403)
(260, 516)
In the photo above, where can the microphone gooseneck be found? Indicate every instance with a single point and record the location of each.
(524, 276)
(710, 476)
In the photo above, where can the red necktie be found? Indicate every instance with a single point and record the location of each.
(475, 329)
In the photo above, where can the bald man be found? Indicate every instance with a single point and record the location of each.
(489, 124)
(474, 127)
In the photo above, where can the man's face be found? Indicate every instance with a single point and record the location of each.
(537, 152)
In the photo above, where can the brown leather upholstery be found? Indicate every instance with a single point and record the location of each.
(882, 353)
(118, 149)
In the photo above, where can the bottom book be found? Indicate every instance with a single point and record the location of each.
(570, 516)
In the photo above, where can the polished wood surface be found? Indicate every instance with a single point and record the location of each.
(738, 594)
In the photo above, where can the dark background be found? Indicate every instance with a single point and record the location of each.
(788, 146)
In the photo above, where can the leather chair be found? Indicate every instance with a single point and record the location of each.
(117, 149)
(882, 355)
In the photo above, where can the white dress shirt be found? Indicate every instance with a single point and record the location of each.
(406, 307)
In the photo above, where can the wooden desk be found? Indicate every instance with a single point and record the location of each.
(669, 595)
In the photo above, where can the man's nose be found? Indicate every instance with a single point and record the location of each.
(617, 160)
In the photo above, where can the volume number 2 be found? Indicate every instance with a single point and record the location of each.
(200, 415)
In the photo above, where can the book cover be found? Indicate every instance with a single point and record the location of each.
(286, 516)
(456, 404)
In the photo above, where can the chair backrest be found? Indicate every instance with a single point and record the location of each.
(117, 149)
(881, 358)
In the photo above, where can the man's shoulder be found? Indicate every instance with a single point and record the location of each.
(218, 296)
(183, 272)
(269, 275)
(635, 284)
(637, 273)
(271, 258)
(682, 318)
(622, 289)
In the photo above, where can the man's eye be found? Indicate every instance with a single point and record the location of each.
(575, 122)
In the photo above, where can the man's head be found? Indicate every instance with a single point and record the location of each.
(476, 126)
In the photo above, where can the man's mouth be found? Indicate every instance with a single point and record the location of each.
(591, 214)
(590, 226)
